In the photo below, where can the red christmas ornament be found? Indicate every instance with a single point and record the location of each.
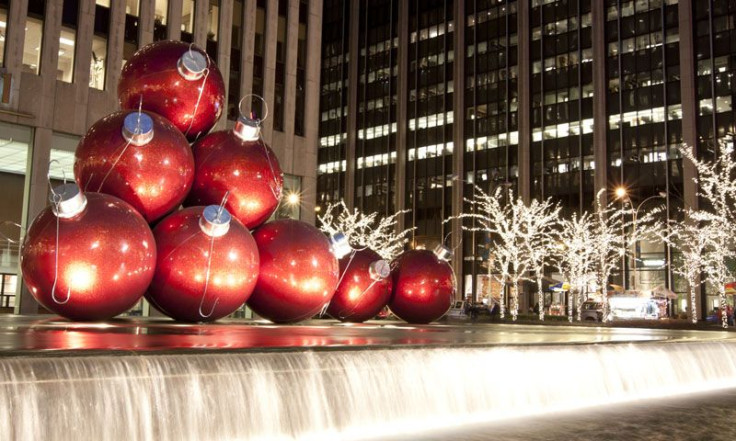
(239, 162)
(364, 289)
(207, 265)
(298, 272)
(424, 285)
(140, 158)
(178, 81)
(91, 262)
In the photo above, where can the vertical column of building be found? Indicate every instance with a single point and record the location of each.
(14, 45)
(600, 90)
(458, 142)
(201, 22)
(224, 42)
(524, 113)
(115, 44)
(173, 19)
(145, 23)
(352, 120)
(269, 65)
(247, 53)
(311, 107)
(82, 55)
(401, 111)
(292, 36)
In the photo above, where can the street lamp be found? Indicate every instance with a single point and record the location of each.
(622, 194)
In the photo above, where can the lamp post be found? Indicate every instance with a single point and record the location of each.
(622, 194)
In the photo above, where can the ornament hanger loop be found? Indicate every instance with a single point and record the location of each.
(265, 107)
(56, 196)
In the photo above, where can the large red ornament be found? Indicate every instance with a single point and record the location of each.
(140, 158)
(298, 272)
(364, 289)
(424, 285)
(239, 162)
(178, 81)
(207, 265)
(102, 263)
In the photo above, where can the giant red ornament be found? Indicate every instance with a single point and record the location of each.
(207, 265)
(424, 285)
(364, 289)
(178, 81)
(140, 158)
(298, 273)
(100, 263)
(239, 162)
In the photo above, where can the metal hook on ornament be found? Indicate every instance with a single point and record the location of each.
(218, 218)
(252, 115)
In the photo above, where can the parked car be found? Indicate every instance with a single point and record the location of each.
(591, 311)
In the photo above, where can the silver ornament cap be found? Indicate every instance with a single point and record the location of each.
(192, 65)
(443, 253)
(215, 221)
(138, 128)
(379, 270)
(68, 201)
(339, 245)
(247, 129)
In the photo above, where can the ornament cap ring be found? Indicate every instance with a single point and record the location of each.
(379, 270)
(215, 221)
(192, 65)
(138, 128)
(68, 201)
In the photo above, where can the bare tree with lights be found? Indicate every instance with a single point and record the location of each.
(606, 245)
(716, 181)
(520, 236)
(538, 236)
(365, 230)
(574, 257)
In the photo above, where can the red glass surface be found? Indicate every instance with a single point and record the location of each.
(249, 170)
(359, 297)
(298, 274)
(424, 287)
(106, 259)
(154, 178)
(178, 285)
(152, 74)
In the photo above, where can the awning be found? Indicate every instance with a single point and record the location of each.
(559, 287)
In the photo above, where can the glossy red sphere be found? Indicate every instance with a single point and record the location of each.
(359, 297)
(424, 287)
(154, 178)
(152, 74)
(178, 287)
(298, 273)
(249, 170)
(107, 256)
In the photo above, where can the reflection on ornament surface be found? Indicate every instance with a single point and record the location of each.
(298, 273)
(106, 259)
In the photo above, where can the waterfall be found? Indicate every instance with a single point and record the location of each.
(337, 394)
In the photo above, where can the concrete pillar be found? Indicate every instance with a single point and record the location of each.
(352, 120)
(201, 22)
(247, 52)
(146, 16)
(173, 20)
(82, 61)
(458, 142)
(292, 39)
(689, 121)
(525, 103)
(115, 44)
(269, 65)
(14, 43)
(600, 91)
(224, 42)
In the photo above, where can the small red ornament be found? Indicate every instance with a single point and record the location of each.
(364, 289)
(424, 285)
(140, 158)
(298, 272)
(239, 162)
(178, 81)
(207, 265)
(100, 262)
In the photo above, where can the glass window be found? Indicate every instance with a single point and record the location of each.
(3, 32)
(32, 45)
(213, 16)
(97, 63)
(187, 16)
(65, 66)
(160, 12)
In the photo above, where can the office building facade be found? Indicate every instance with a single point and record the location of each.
(421, 100)
(61, 61)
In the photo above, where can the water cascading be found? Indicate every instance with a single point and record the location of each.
(356, 394)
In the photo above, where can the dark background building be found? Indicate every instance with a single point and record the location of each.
(422, 99)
